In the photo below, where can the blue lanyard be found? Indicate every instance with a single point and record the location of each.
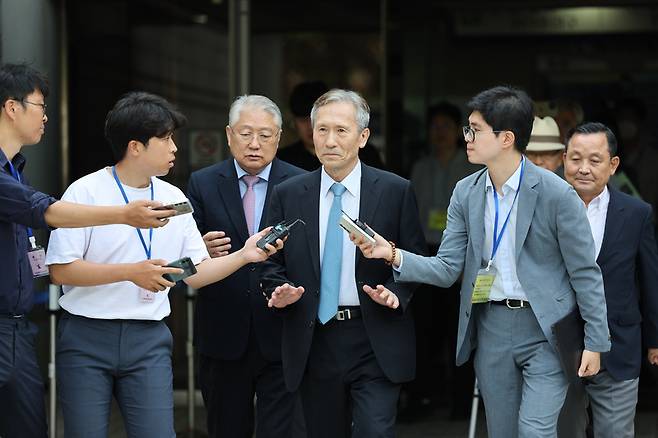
(17, 177)
(147, 250)
(497, 238)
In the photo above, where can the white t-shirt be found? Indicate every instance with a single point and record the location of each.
(109, 244)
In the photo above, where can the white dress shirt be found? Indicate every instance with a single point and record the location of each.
(597, 213)
(348, 295)
(260, 190)
(506, 284)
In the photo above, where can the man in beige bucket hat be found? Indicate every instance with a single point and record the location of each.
(545, 148)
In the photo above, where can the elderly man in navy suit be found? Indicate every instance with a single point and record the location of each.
(520, 237)
(238, 337)
(626, 252)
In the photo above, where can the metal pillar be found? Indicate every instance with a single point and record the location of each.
(53, 308)
(239, 47)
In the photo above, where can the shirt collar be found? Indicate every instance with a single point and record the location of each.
(264, 174)
(352, 182)
(512, 182)
(601, 201)
(18, 162)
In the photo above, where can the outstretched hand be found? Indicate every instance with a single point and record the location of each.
(285, 295)
(254, 254)
(148, 274)
(381, 249)
(382, 295)
(143, 214)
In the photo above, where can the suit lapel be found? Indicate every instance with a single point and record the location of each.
(527, 201)
(370, 194)
(229, 191)
(477, 202)
(310, 214)
(614, 222)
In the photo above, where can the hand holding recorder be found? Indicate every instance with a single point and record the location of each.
(371, 244)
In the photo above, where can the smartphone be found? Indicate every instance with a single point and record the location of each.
(185, 264)
(180, 207)
(357, 227)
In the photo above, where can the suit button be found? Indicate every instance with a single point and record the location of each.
(317, 292)
(467, 314)
(311, 324)
(248, 292)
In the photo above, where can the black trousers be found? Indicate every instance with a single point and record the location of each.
(345, 393)
(228, 388)
(22, 403)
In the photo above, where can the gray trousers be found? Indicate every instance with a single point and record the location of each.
(519, 374)
(613, 408)
(130, 360)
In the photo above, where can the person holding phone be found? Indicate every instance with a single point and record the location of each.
(23, 119)
(111, 338)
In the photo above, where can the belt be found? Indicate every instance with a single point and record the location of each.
(512, 304)
(347, 312)
(11, 316)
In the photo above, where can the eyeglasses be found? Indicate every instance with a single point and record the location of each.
(42, 105)
(263, 137)
(469, 133)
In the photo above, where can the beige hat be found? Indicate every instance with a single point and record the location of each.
(545, 136)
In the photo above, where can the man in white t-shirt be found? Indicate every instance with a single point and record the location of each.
(111, 338)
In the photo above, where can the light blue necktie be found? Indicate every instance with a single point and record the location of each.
(332, 259)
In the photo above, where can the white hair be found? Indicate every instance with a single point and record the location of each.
(338, 95)
(253, 101)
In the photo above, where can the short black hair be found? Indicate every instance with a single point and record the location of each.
(17, 81)
(506, 108)
(140, 116)
(304, 95)
(595, 128)
(446, 109)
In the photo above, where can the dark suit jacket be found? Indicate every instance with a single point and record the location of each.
(226, 310)
(629, 264)
(387, 204)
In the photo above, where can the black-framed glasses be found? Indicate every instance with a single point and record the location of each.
(42, 105)
(469, 133)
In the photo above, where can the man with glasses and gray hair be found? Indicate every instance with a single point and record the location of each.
(237, 336)
(347, 344)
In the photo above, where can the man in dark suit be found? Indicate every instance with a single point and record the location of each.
(347, 340)
(626, 252)
(238, 337)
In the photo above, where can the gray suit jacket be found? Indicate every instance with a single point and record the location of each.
(554, 256)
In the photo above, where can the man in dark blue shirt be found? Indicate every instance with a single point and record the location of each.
(22, 208)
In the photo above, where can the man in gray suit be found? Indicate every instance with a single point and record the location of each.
(520, 237)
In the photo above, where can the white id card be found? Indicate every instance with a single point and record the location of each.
(37, 258)
(146, 296)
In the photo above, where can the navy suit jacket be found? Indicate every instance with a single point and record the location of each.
(629, 263)
(226, 311)
(388, 204)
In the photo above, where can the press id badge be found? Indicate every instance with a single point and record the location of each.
(146, 296)
(483, 284)
(37, 258)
